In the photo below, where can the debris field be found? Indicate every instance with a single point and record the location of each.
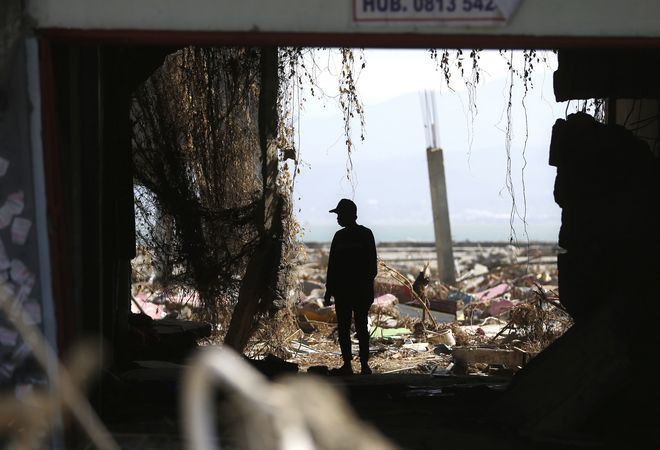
(502, 311)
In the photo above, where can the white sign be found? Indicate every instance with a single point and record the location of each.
(434, 12)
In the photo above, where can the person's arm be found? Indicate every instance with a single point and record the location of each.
(373, 258)
(330, 275)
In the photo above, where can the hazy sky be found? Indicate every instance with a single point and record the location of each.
(389, 179)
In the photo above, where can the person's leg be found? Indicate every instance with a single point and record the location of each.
(343, 312)
(361, 313)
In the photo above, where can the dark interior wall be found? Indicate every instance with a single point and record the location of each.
(117, 217)
(76, 79)
(591, 381)
(92, 86)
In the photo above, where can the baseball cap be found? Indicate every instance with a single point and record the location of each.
(345, 206)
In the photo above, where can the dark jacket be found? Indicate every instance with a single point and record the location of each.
(352, 265)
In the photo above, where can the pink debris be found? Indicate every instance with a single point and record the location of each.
(493, 292)
(497, 307)
(386, 300)
(151, 309)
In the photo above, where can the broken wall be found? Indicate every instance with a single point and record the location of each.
(589, 385)
(607, 185)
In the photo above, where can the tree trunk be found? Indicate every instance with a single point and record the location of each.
(259, 285)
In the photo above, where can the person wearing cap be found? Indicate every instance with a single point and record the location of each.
(352, 267)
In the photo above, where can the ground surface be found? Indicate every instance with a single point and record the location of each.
(411, 398)
(412, 411)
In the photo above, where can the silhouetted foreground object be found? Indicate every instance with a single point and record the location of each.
(255, 414)
(607, 185)
(591, 382)
(352, 267)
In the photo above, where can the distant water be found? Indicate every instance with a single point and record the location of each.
(499, 232)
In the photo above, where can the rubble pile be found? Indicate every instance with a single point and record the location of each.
(152, 298)
(503, 310)
(160, 303)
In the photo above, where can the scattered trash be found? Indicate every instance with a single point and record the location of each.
(313, 309)
(442, 349)
(299, 347)
(494, 292)
(498, 307)
(379, 332)
(309, 286)
(455, 296)
(304, 324)
(443, 371)
(386, 300)
(502, 299)
(417, 346)
(513, 359)
(445, 337)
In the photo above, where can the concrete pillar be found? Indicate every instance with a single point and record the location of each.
(443, 244)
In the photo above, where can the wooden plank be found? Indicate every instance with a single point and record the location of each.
(491, 356)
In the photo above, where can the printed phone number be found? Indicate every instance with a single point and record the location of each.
(377, 8)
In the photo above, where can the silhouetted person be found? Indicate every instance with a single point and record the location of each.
(352, 268)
